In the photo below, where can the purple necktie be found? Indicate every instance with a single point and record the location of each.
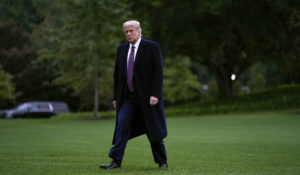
(130, 69)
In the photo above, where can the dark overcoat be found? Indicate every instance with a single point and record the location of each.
(147, 79)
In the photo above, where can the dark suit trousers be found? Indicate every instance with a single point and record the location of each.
(126, 116)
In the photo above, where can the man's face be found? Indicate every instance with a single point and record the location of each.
(132, 34)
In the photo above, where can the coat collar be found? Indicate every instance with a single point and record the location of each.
(139, 51)
(138, 55)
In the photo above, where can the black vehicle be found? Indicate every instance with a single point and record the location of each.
(36, 109)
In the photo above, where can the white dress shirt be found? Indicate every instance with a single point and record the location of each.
(136, 47)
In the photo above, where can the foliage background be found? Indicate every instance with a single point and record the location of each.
(65, 50)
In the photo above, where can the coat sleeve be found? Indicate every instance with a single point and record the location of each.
(157, 78)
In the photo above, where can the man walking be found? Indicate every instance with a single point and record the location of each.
(138, 80)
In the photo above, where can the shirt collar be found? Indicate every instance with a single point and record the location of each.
(136, 45)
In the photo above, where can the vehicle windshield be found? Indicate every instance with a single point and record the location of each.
(23, 106)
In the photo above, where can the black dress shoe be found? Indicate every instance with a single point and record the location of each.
(112, 165)
(163, 165)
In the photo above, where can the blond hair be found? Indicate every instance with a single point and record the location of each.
(132, 23)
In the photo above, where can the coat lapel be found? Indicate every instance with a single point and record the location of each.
(124, 59)
(140, 51)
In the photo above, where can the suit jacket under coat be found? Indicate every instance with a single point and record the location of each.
(147, 80)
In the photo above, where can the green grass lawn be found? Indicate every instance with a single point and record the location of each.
(261, 143)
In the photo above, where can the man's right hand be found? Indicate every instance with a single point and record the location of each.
(115, 104)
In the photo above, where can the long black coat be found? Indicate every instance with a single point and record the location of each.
(147, 80)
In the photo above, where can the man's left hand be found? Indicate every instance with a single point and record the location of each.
(153, 101)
